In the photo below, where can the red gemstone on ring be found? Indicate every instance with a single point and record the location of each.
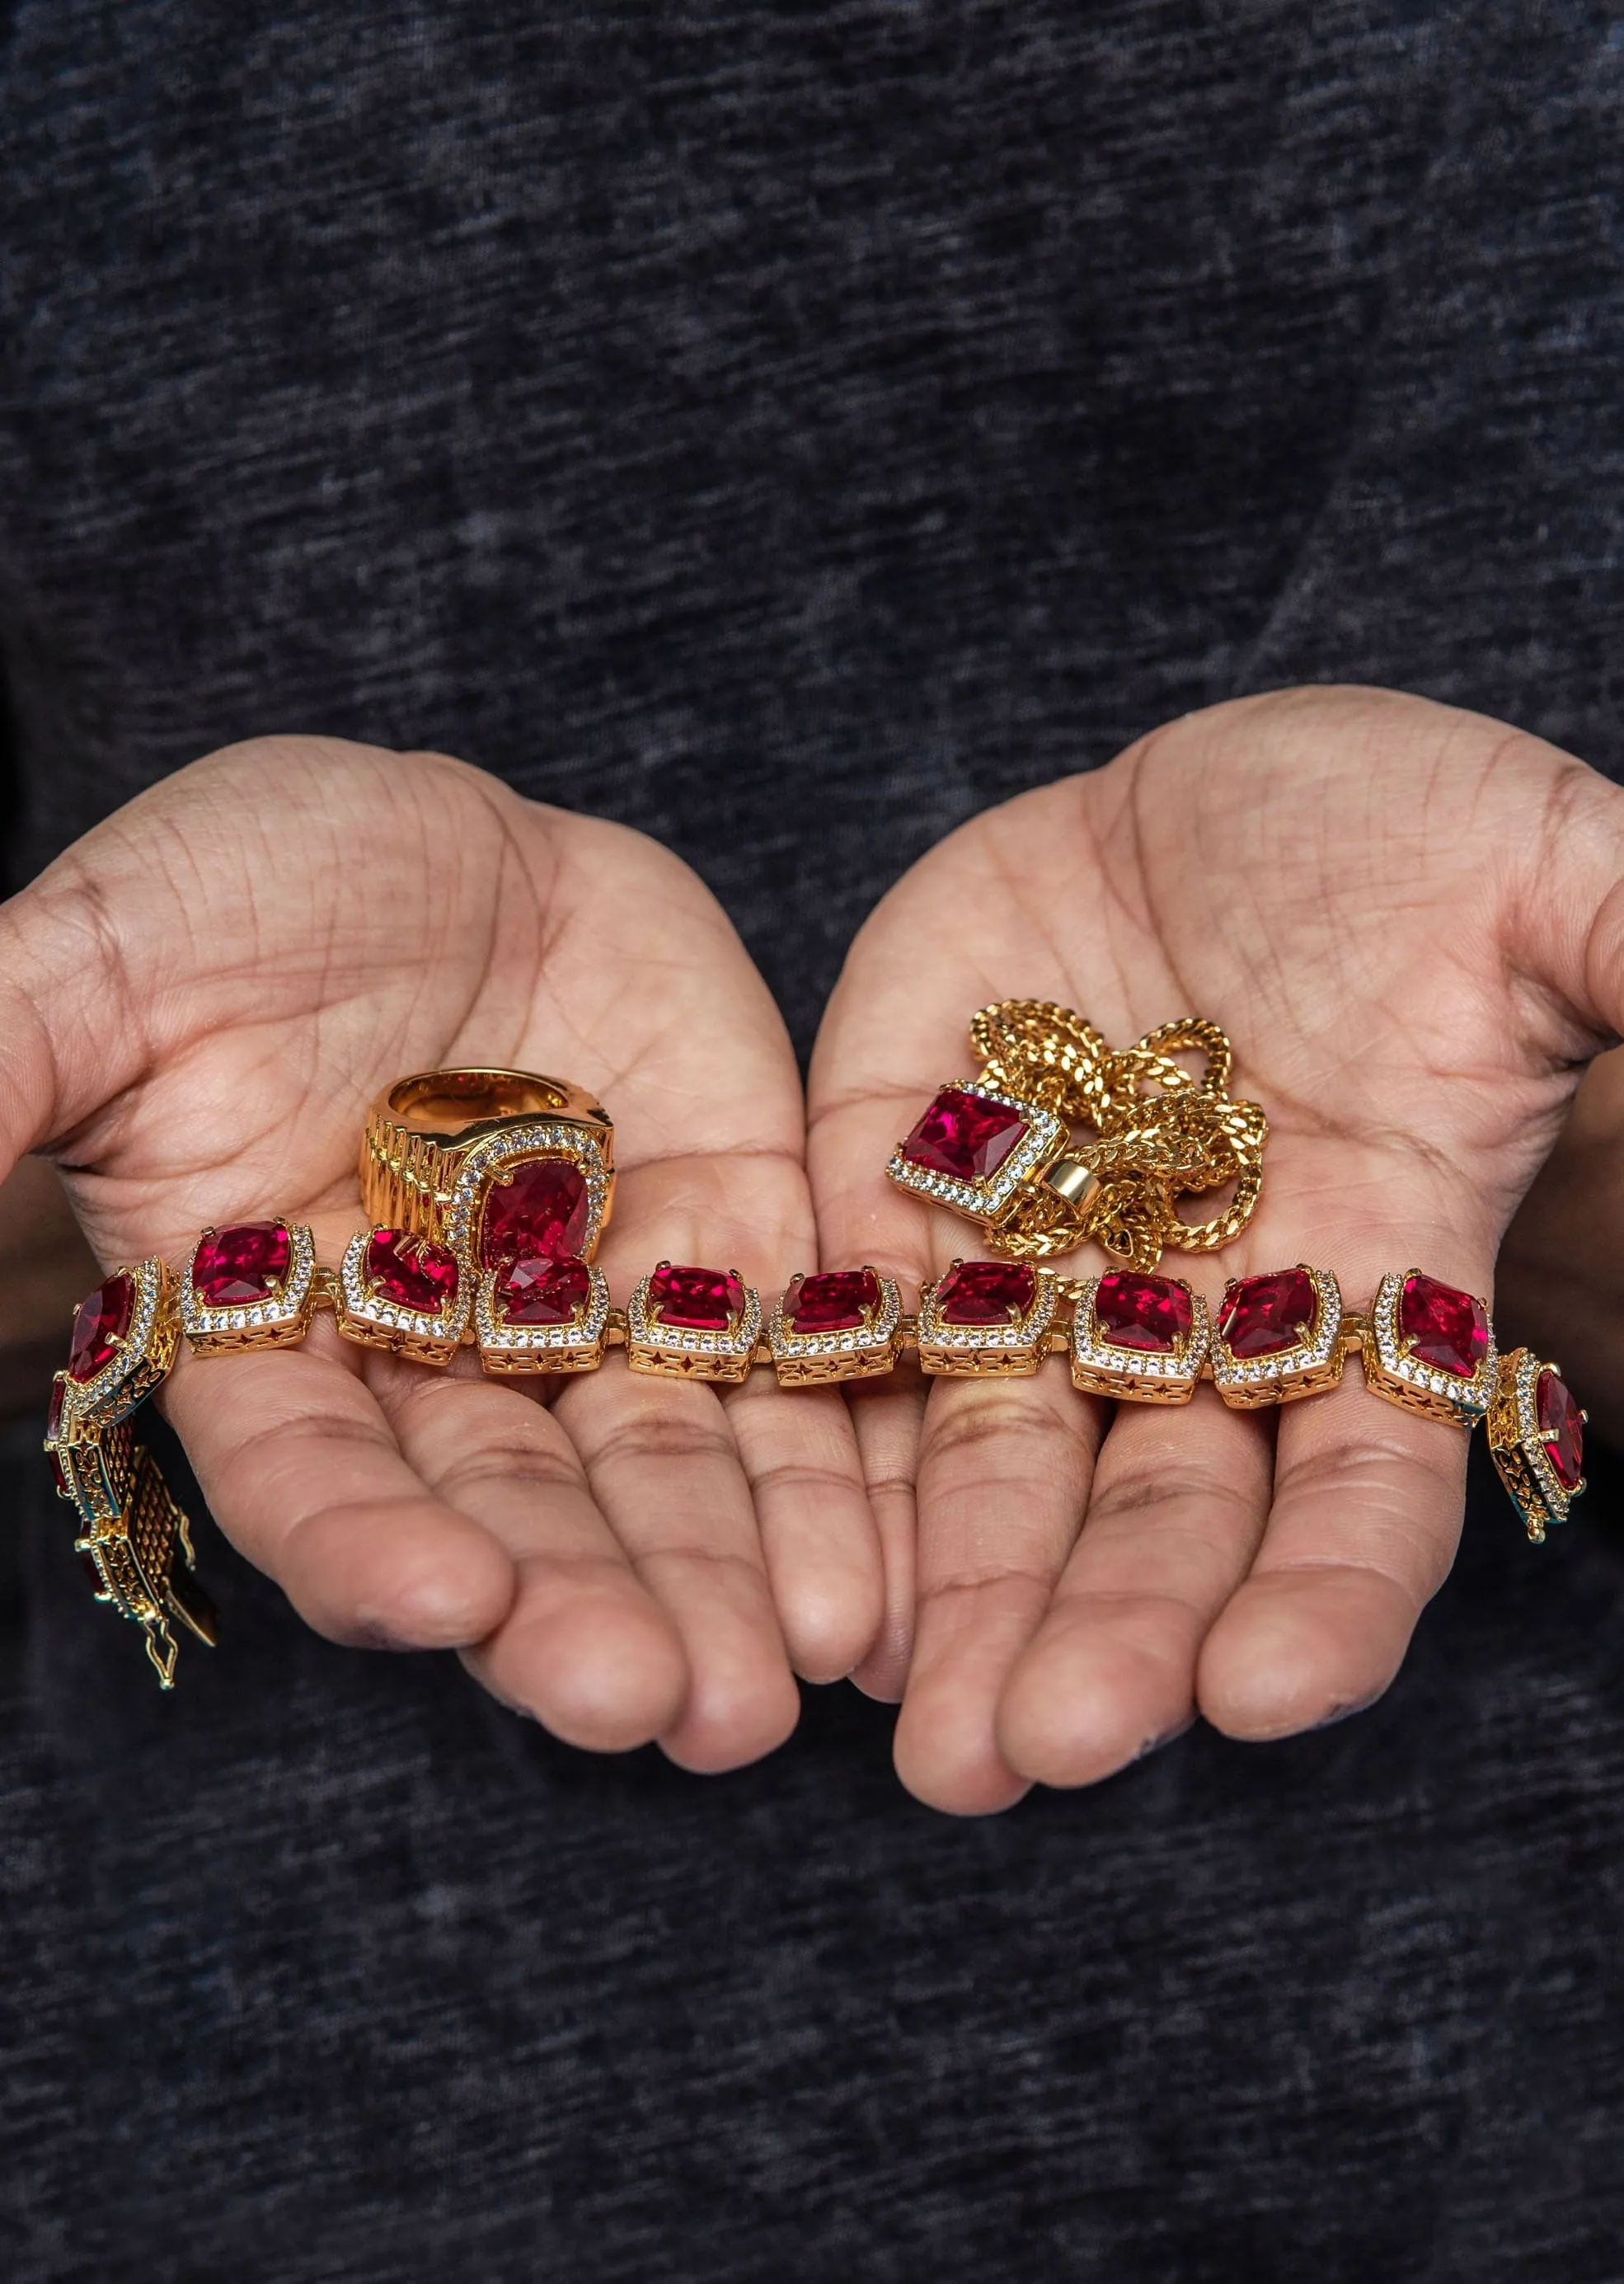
(413, 1273)
(234, 1267)
(836, 1300)
(699, 1299)
(540, 1213)
(1152, 1314)
(1265, 1315)
(53, 1415)
(986, 1292)
(100, 1322)
(537, 1291)
(1445, 1327)
(1561, 1428)
(964, 1136)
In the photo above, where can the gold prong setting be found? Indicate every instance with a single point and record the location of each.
(498, 1155)
(985, 1200)
(278, 1321)
(1411, 1382)
(1103, 1367)
(507, 1348)
(1310, 1366)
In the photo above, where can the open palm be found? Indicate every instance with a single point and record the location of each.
(197, 1003)
(1407, 918)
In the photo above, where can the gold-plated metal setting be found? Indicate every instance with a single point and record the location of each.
(1520, 1447)
(989, 1198)
(1393, 1370)
(434, 1143)
(280, 1321)
(516, 1350)
(369, 1317)
(141, 1361)
(1311, 1366)
(1160, 1134)
(1013, 1351)
(134, 1539)
(867, 1351)
(1104, 1367)
(682, 1352)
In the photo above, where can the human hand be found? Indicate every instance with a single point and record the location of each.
(196, 1003)
(1411, 922)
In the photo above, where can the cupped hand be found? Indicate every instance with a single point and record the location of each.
(196, 1003)
(1411, 922)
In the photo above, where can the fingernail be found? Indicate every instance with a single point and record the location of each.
(1167, 1737)
(1347, 1712)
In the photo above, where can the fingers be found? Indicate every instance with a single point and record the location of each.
(1178, 1505)
(303, 1473)
(583, 1646)
(1005, 1474)
(663, 1464)
(1366, 1517)
(822, 1557)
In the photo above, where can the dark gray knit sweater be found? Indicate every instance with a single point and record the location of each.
(790, 428)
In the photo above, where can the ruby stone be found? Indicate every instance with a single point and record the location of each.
(1561, 1427)
(53, 1415)
(541, 1212)
(1445, 1327)
(838, 1300)
(1265, 1315)
(964, 1136)
(1152, 1314)
(699, 1299)
(413, 1273)
(237, 1266)
(100, 1322)
(537, 1290)
(985, 1293)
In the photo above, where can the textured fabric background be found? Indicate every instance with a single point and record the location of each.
(789, 429)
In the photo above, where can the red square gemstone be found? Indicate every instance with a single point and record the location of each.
(1561, 1428)
(987, 1293)
(235, 1267)
(53, 1415)
(838, 1300)
(1265, 1315)
(1445, 1327)
(1152, 1314)
(964, 1136)
(539, 1213)
(413, 1273)
(536, 1290)
(698, 1300)
(100, 1323)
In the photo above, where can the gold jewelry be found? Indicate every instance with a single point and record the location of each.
(488, 1172)
(496, 1164)
(998, 1148)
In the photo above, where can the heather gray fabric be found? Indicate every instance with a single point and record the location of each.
(790, 429)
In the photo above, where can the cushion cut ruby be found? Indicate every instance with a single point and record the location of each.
(53, 1414)
(1445, 1327)
(1265, 1315)
(536, 1290)
(100, 1322)
(964, 1136)
(541, 1212)
(1152, 1314)
(838, 1300)
(699, 1300)
(413, 1273)
(235, 1267)
(1561, 1427)
(986, 1292)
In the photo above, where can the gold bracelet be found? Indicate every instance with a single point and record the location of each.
(490, 1189)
